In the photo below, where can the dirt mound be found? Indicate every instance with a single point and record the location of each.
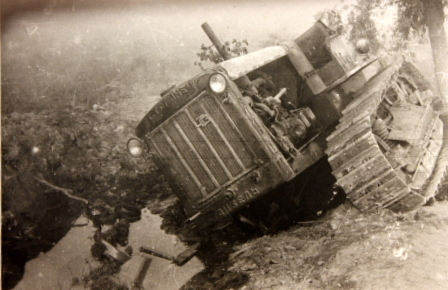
(349, 250)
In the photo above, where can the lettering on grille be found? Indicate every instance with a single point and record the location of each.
(238, 201)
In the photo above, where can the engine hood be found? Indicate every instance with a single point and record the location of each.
(239, 66)
(181, 94)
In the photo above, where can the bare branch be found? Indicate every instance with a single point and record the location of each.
(67, 192)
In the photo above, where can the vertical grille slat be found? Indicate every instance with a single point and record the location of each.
(179, 167)
(229, 129)
(188, 155)
(239, 121)
(220, 142)
(205, 148)
(195, 152)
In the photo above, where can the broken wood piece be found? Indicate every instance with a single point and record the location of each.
(156, 253)
(115, 253)
(179, 260)
(133, 272)
(186, 255)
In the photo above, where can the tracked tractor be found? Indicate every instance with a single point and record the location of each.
(231, 135)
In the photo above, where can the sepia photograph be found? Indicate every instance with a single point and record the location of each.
(224, 145)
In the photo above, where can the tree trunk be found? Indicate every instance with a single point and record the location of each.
(435, 18)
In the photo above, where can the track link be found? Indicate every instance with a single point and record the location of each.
(366, 165)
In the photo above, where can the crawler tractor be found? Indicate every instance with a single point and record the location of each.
(230, 136)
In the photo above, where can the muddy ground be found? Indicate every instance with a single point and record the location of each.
(349, 250)
(343, 249)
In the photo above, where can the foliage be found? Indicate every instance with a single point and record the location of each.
(362, 20)
(414, 21)
(411, 17)
(235, 48)
(358, 20)
(332, 17)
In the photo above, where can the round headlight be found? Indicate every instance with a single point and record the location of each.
(217, 83)
(362, 46)
(135, 147)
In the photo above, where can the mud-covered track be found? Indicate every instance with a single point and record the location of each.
(358, 157)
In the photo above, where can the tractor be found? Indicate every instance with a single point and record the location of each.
(230, 136)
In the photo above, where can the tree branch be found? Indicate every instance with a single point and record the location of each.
(65, 191)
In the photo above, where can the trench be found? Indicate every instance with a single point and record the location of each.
(61, 260)
(45, 231)
(67, 261)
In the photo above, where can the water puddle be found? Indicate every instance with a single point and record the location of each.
(71, 258)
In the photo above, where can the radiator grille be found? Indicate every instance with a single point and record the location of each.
(205, 146)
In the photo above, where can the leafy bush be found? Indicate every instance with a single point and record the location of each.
(235, 48)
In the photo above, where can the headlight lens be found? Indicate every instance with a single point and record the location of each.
(135, 147)
(217, 83)
(362, 46)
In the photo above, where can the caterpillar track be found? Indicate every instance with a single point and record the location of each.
(387, 150)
